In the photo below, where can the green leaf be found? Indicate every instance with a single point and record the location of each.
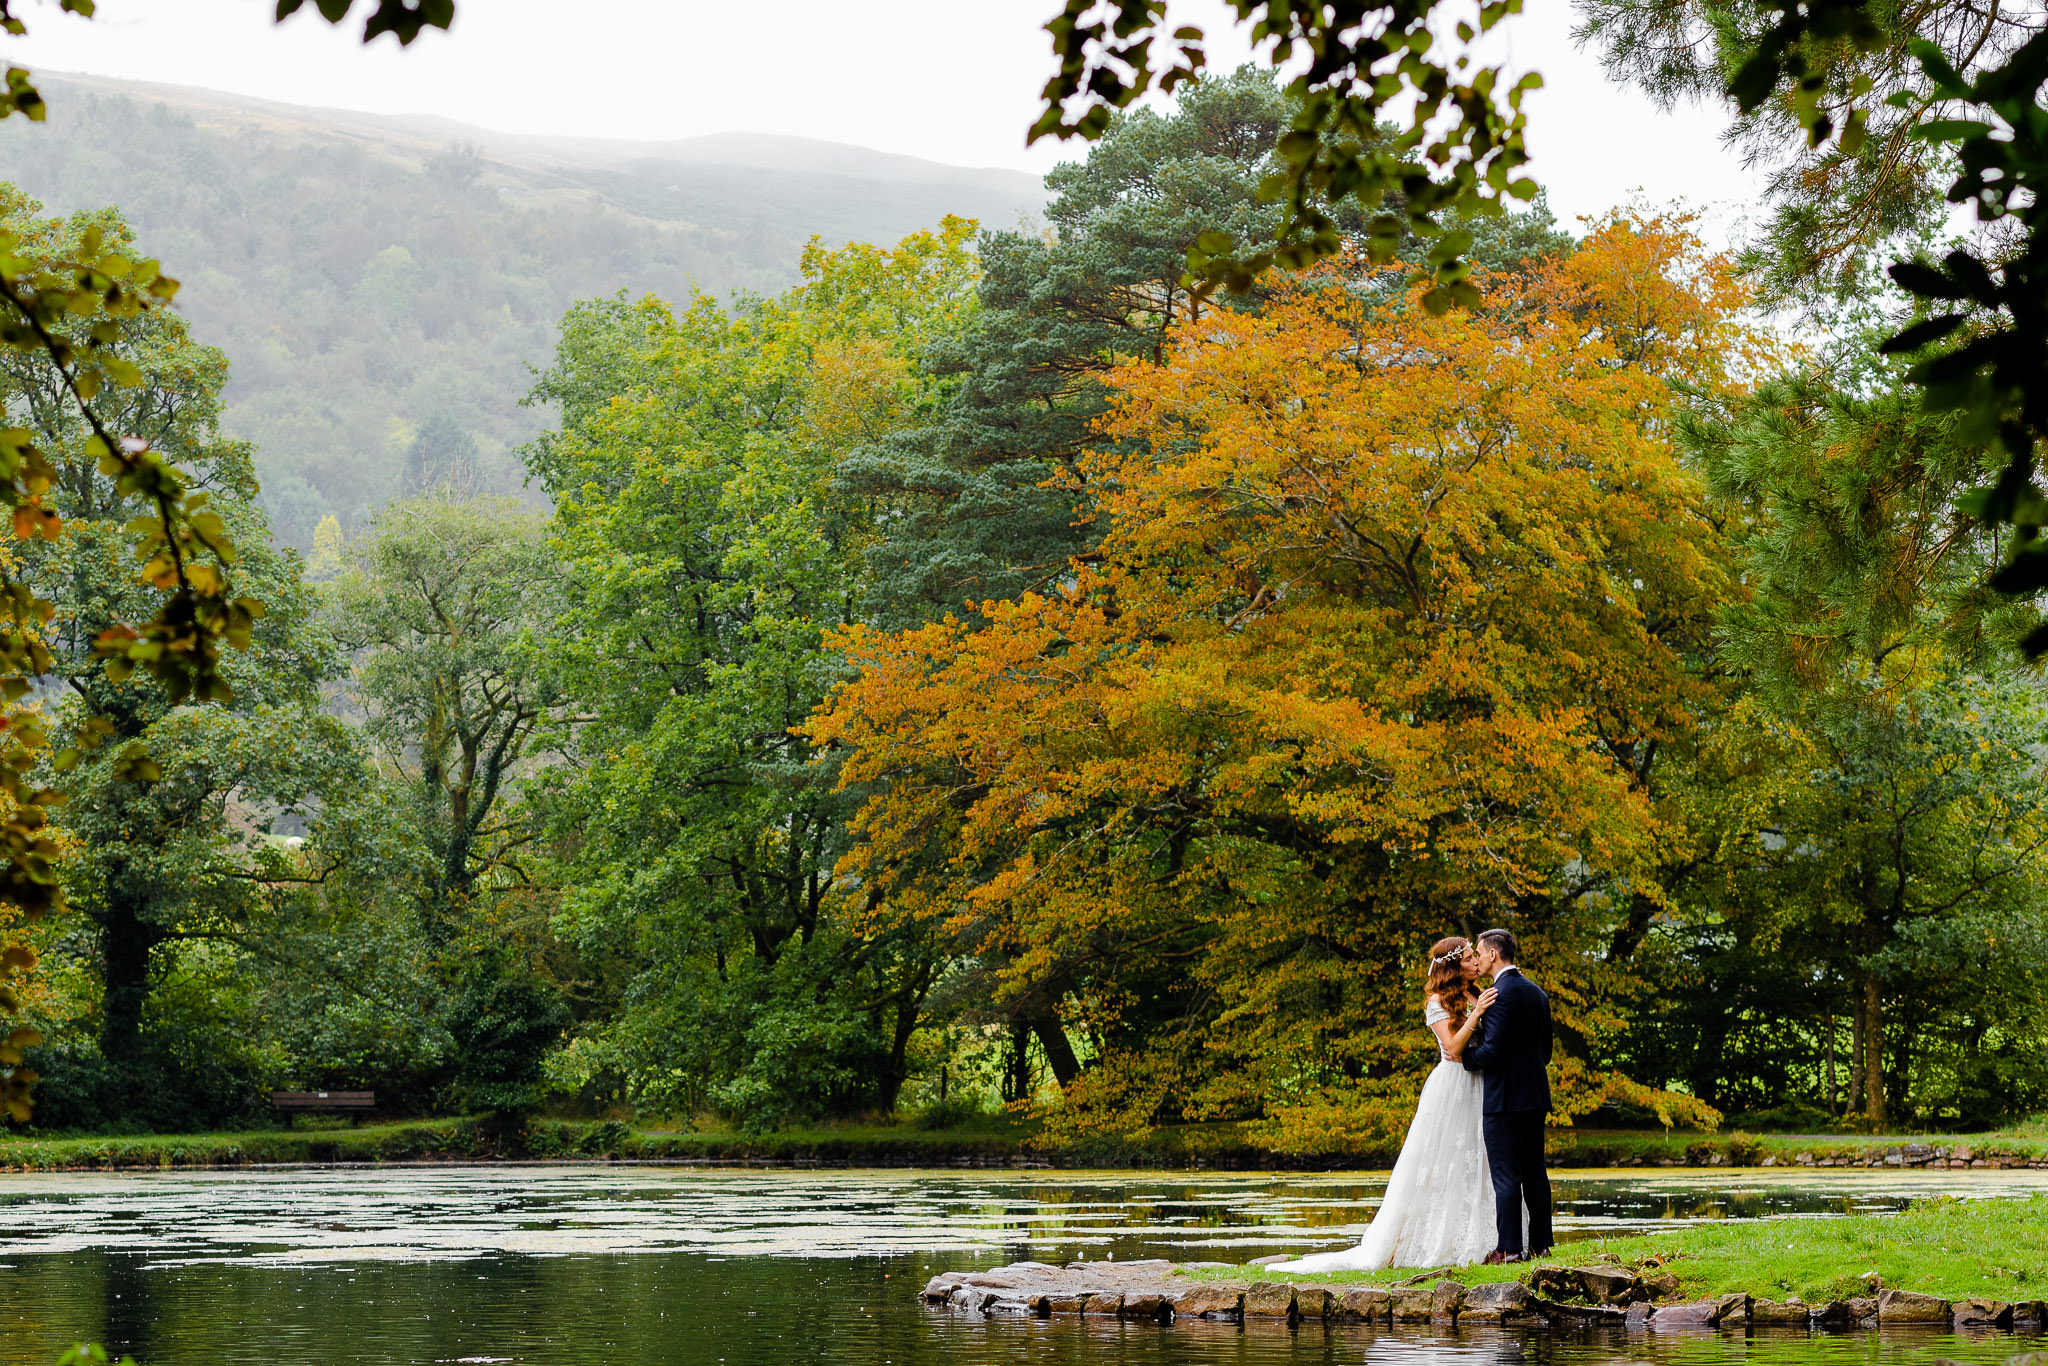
(1921, 334)
(1951, 130)
(1924, 281)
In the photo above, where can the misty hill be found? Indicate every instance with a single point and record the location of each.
(369, 275)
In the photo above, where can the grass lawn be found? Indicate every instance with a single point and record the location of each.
(1997, 1248)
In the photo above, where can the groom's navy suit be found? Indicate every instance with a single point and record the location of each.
(1512, 1055)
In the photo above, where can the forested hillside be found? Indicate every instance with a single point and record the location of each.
(382, 286)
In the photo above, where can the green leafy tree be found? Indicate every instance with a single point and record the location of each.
(441, 607)
(502, 1018)
(1886, 840)
(1870, 815)
(74, 300)
(692, 477)
(168, 807)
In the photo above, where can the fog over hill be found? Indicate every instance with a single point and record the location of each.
(382, 284)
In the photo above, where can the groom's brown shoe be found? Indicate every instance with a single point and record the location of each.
(1495, 1258)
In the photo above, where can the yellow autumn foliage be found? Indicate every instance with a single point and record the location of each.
(1392, 619)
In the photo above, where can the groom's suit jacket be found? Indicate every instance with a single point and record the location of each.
(1512, 1052)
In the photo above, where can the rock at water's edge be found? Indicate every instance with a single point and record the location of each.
(1596, 1315)
(1313, 1301)
(1792, 1311)
(1908, 1306)
(1694, 1314)
(1372, 1306)
(1494, 1302)
(1982, 1313)
(1269, 1300)
(1608, 1284)
(1210, 1302)
(1414, 1304)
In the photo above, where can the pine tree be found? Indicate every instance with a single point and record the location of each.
(967, 517)
(964, 510)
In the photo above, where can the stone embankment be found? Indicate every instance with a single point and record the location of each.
(1551, 1296)
(1915, 1155)
(1739, 1151)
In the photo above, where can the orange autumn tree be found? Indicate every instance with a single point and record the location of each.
(1394, 620)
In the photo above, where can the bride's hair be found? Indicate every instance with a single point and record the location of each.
(1447, 978)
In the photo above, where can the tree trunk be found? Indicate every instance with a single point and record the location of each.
(1898, 1090)
(1017, 1078)
(896, 1071)
(1832, 1094)
(1705, 1072)
(125, 943)
(1856, 1032)
(1874, 1109)
(1059, 1052)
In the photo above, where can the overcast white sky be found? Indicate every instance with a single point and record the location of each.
(950, 80)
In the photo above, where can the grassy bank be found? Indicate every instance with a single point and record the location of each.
(993, 1142)
(480, 1140)
(2021, 1146)
(1953, 1248)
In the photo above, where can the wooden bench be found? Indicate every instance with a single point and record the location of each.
(353, 1103)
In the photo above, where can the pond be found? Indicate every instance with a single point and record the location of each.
(662, 1266)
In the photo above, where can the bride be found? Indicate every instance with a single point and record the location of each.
(1438, 1209)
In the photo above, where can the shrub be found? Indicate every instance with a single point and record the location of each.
(1744, 1150)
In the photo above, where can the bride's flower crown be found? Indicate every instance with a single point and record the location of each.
(1453, 956)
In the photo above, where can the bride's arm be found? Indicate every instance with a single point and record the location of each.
(1453, 1043)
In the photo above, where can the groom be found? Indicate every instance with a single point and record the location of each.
(1512, 1053)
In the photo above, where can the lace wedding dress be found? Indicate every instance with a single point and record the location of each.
(1438, 1209)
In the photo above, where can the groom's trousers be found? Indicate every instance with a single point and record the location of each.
(1514, 1150)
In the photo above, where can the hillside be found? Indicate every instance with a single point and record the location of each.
(369, 275)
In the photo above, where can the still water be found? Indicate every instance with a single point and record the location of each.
(669, 1267)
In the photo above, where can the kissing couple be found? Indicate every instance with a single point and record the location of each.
(1470, 1184)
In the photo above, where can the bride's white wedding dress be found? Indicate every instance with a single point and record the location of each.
(1438, 1209)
